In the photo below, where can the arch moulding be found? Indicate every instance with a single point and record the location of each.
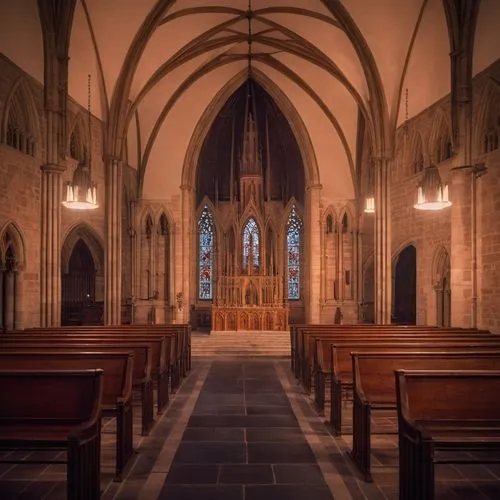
(299, 130)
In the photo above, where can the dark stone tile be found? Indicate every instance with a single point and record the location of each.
(298, 474)
(268, 435)
(213, 434)
(267, 399)
(37, 489)
(280, 453)
(243, 421)
(264, 386)
(269, 410)
(221, 399)
(246, 474)
(192, 474)
(205, 492)
(218, 410)
(210, 453)
(287, 492)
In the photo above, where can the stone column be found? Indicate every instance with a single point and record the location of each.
(9, 300)
(2, 294)
(50, 251)
(185, 245)
(18, 298)
(113, 271)
(383, 265)
(313, 309)
(461, 248)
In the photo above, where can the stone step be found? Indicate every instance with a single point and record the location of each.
(240, 344)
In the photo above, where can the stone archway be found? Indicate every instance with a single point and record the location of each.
(405, 287)
(11, 279)
(442, 287)
(82, 280)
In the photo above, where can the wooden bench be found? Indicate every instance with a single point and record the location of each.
(322, 361)
(374, 387)
(307, 354)
(342, 376)
(164, 350)
(117, 386)
(444, 411)
(55, 410)
(299, 332)
(141, 380)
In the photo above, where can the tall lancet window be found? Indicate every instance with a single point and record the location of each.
(206, 252)
(251, 245)
(293, 235)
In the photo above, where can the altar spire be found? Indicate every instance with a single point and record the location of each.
(250, 158)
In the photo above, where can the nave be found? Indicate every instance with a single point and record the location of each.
(245, 429)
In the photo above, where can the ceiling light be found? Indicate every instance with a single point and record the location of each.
(432, 194)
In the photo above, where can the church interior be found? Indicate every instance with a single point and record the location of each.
(239, 211)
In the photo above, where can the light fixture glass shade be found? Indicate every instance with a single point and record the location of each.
(81, 192)
(431, 193)
(370, 204)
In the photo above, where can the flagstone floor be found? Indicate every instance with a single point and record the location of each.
(243, 429)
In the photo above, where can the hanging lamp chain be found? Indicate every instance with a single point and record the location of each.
(89, 115)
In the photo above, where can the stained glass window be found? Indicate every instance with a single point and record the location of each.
(251, 244)
(206, 249)
(293, 234)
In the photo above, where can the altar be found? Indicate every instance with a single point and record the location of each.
(249, 302)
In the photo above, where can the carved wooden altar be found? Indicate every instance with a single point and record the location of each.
(249, 302)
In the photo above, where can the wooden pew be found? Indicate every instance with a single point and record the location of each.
(374, 387)
(307, 354)
(342, 377)
(56, 410)
(443, 411)
(165, 357)
(117, 386)
(297, 333)
(321, 357)
(141, 380)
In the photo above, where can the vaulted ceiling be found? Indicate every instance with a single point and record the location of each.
(163, 69)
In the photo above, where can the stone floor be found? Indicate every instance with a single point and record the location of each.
(243, 429)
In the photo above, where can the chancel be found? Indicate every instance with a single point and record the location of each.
(240, 237)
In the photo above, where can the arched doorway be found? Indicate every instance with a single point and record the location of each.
(368, 306)
(442, 288)
(82, 280)
(11, 279)
(405, 287)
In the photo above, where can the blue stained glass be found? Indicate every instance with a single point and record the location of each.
(251, 244)
(206, 253)
(293, 235)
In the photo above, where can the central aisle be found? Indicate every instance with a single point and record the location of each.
(243, 441)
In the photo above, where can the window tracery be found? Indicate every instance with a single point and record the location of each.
(293, 237)
(206, 251)
(251, 244)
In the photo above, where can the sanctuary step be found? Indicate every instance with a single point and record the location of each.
(274, 344)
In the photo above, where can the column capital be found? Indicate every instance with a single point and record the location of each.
(52, 168)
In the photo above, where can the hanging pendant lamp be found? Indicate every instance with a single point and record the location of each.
(432, 194)
(81, 192)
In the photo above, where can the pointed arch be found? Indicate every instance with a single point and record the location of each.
(440, 265)
(329, 220)
(206, 249)
(79, 139)
(416, 153)
(251, 244)
(441, 142)
(487, 123)
(21, 128)
(294, 237)
(12, 244)
(92, 240)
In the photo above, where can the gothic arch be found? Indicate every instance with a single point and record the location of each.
(191, 161)
(416, 153)
(94, 243)
(21, 126)
(486, 133)
(11, 236)
(440, 265)
(440, 139)
(404, 289)
(78, 139)
(329, 214)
